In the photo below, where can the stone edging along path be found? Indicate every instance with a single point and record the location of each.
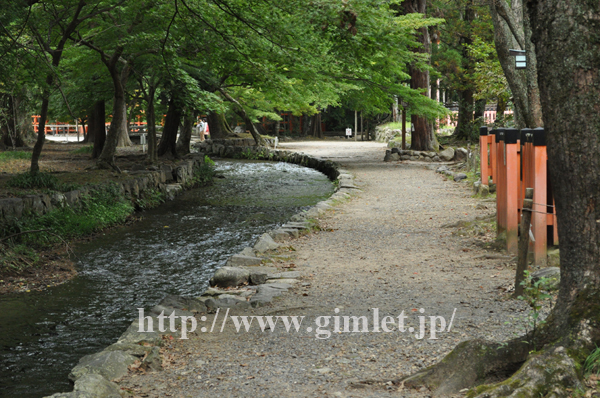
(253, 285)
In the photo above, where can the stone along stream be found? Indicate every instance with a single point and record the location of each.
(174, 249)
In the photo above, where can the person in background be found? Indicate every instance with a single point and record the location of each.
(201, 128)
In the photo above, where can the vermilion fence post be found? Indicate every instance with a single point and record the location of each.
(484, 158)
(511, 168)
(540, 197)
(500, 175)
(494, 155)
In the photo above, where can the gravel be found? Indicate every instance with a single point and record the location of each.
(384, 248)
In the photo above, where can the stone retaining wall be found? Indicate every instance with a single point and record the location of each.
(168, 179)
(238, 150)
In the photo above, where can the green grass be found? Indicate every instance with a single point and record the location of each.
(592, 363)
(11, 155)
(104, 207)
(396, 126)
(39, 180)
(83, 150)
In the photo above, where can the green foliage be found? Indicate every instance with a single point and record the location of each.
(592, 363)
(149, 199)
(88, 149)
(11, 155)
(104, 207)
(202, 175)
(39, 181)
(208, 161)
(534, 295)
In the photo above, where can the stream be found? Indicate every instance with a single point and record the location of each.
(174, 249)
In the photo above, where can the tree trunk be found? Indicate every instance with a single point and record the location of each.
(464, 127)
(569, 86)
(152, 156)
(244, 115)
(124, 139)
(522, 83)
(422, 137)
(168, 140)
(500, 108)
(183, 143)
(97, 128)
(12, 130)
(115, 132)
(41, 135)
(315, 126)
(219, 129)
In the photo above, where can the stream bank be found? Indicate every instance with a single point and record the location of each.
(252, 198)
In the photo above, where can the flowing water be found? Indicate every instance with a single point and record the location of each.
(173, 250)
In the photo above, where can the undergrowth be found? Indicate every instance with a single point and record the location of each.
(10, 155)
(105, 207)
(39, 181)
(149, 199)
(83, 150)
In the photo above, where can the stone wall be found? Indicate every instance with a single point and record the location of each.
(237, 149)
(166, 178)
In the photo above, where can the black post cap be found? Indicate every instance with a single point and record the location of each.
(483, 130)
(525, 133)
(511, 136)
(539, 137)
(500, 135)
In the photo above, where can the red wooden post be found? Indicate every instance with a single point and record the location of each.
(539, 218)
(499, 180)
(511, 141)
(494, 154)
(483, 155)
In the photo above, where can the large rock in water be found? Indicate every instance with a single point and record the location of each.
(229, 276)
(447, 154)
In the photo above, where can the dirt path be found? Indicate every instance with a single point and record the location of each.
(386, 249)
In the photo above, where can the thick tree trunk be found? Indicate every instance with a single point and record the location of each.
(464, 128)
(183, 143)
(124, 139)
(566, 40)
(219, 129)
(422, 137)
(315, 126)
(97, 128)
(168, 140)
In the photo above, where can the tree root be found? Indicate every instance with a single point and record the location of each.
(552, 373)
(496, 370)
(104, 165)
(470, 364)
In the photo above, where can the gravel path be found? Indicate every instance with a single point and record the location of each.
(386, 248)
